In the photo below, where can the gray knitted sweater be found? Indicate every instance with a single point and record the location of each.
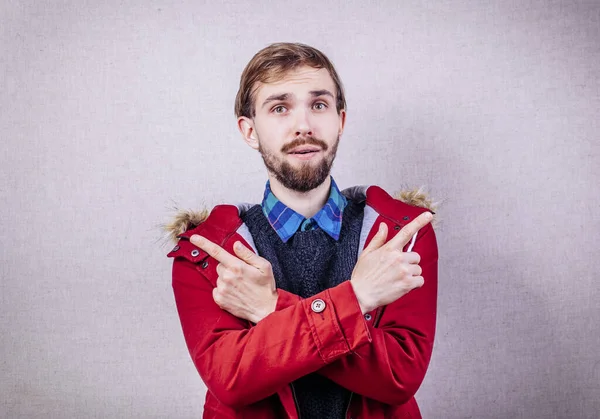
(310, 262)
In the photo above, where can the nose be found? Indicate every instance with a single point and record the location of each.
(303, 124)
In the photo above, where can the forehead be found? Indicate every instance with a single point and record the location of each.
(300, 80)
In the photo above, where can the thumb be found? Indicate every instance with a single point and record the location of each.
(378, 240)
(244, 253)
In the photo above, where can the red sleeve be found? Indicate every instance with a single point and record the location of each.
(392, 367)
(240, 364)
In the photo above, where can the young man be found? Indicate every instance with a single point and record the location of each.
(317, 303)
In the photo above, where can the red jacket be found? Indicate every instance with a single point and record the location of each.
(380, 357)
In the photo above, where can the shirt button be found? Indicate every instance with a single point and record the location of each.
(195, 253)
(318, 305)
(367, 317)
(176, 248)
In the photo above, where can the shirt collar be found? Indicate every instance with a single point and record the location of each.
(285, 221)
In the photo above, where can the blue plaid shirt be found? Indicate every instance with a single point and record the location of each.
(286, 221)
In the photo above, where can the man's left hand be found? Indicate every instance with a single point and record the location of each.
(245, 285)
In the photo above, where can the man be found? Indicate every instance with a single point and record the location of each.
(316, 303)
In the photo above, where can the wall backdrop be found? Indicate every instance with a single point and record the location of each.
(113, 112)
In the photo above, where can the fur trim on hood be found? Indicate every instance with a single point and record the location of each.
(183, 221)
(417, 198)
(187, 219)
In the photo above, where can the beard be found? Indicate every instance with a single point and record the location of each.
(303, 178)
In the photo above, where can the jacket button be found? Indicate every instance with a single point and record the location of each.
(176, 248)
(318, 305)
(195, 252)
(368, 317)
(205, 264)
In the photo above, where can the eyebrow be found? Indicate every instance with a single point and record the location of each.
(276, 97)
(285, 96)
(322, 92)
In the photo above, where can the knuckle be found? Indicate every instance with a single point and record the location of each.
(214, 251)
(225, 278)
(405, 233)
(413, 225)
(217, 297)
(266, 266)
(398, 256)
(224, 281)
(236, 270)
(223, 287)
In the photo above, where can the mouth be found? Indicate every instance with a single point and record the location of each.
(305, 150)
(305, 153)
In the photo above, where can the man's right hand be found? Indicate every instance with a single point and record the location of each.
(383, 272)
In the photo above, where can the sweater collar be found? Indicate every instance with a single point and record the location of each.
(286, 222)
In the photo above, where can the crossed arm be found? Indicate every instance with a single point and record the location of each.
(242, 364)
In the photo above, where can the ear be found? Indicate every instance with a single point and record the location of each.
(342, 122)
(246, 127)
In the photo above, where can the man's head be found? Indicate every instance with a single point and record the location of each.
(291, 108)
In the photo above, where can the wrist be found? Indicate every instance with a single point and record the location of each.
(365, 307)
(268, 308)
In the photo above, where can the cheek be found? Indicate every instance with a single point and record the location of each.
(274, 129)
(330, 126)
(268, 138)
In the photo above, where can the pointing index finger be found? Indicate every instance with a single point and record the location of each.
(409, 230)
(214, 250)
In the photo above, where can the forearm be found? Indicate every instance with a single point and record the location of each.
(392, 366)
(242, 365)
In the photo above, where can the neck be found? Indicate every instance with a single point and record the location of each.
(306, 204)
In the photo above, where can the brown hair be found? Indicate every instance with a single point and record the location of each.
(272, 63)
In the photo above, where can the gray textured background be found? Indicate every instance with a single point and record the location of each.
(112, 111)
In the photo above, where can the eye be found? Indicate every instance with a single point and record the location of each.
(320, 106)
(279, 109)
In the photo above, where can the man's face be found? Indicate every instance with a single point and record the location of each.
(297, 127)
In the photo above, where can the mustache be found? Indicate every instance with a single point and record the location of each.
(304, 141)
